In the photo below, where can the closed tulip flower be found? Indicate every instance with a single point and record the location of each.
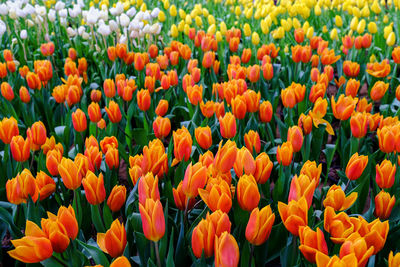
(352, 87)
(385, 174)
(226, 251)
(357, 245)
(70, 174)
(153, 220)
(351, 69)
(148, 188)
(268, 71)
(288, 97)
(79, 120)
(182, 145)
(384, 204)
(359, 124)
(7, 91)
(356, 166)
(94, 112)
(195, 179)
(312, 242)
(113, 112)
(56, 233)
(259, 225)
(45, 184)
(284, 154)
(67, 217)
(294, 214)
(295, 137)
(203, 137)
(109, 88)
(181, 199)
(3, 70)
(337, 199)
(117, 198)
(245, 163)
(34, 247)
(379, 90)
(302, 186)
(247, 193)
(203, 239)
(94, 188)
(38, 131)
(33, 81)
(143, 99)
(221, 222)
(161, 127)
(239, 107)
(265, 111)
(344, 107)
(162, 107)
(24, 95)
(263, 168)
(112, 158)
(20, 148)
(386, 138)
(21, 187)
(252, 141)
(8, 129)
(225, 157)
(227, 125)
(113, 242)
(313, 171)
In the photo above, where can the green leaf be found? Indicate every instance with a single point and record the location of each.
(140, 136)
(97, 255)
(96, 218)
(6, 217)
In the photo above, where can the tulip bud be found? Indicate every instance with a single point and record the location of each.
(247, 192)
(117, 198)
(356, 166)
(259, 225)
(114, 240)
(226, 250)
(284, 153)
(153, 220)
(385, 174)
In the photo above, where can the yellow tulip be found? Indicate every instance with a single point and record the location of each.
(264, 26)
(385, 19)
(238, 11)
(361, 26)
(354, 24)
(324, 29)
(375, 7)
(172, 11)
(279, 33)
(310, 32)
(296, 23)
(174, 31)
(211, 29)
(372, 58)
(372, 28)
(222, 28)
(182, 13)
(317, 10)
(205, 12)
(166, 4)
(391, 39)
(188, 19)
(255, 39)
(365, 11)
(181, 26)
(186, 29)
(211, 19)
(246, 30)
(143, 7)
(334, 34)
(218, 36)
(387, 30)
(199, 21)
(338, 21)
(356, 12)
(161, 16)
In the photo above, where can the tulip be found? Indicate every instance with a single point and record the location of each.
(153, 220)
(8, 129)
(181, 199)
(247, 193)
(120, 261)
(344, 107)
(356, 166)
(34, 247)
(379, 70)
(302, 186)
(311, 243)
(317, 91)
(384, 204)
(386, 138)
(351, 69)
(107, 143)
(226, 250)
(56, 233)
(67, 217)
(203, 137)
(239, 107)
(294, 214)
(357, 245)
(208, 59)
(46, 185)
(393, 261)
(225, 157)
(284, 153)
(3, 70)
(340, 225)
(288, 97)
(203, 239)
(7, 91)
(148, 188)
(79, 120)
(385, 174)
(252, 141)
(324, 260)
(114, 240)
(109, 88)
(161, 127)
(295, 137)
(143, 99)
(162, 107)
(244, 163)
(94, 188)
(94, 112)
(359, 124)
(113, 112)
(117, 198)
(21, 187)
(182, 145)
(337, 199)
(227, 125)
(379, 90)
(95, 157)
(375, 233)
(33, 81)
(195, 178)
(259, 225)
(268, 71)
(112, 158)
(154, 158)
(70, 174)
(352, 87)
(20, 148)
(38, 131)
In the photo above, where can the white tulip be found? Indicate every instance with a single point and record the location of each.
(14, 41)
(104, 30)
(81, 29)
(52, 15)
(75, 11)
(23, 34)
(63, 13)
(3, 9)
(155, 12)
(113, 25)
(29, 9)
(92, 16)
(20, 13)
(71, 32)
(146, 15)
(81, 3)
(146, 28)
(124, 20)
(30, 23)
(12, 13)
(134, 34)
(131, 12)
(155, 28)
(85, 36)
(123, 39)
(104, 15)
(3, 28)
(64, 22)
(139, 16)
(59, 5)
(40, 10)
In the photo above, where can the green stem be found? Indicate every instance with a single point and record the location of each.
(157, 254)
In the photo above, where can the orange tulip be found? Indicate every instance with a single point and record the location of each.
(374, 233)
(161, 127)
(225, 157)
(299, 35)
(217, 195)
(24, 94)
(323, 260)
(153, 220)
(121, 261)
(259, 225)
(394, 261)
(248, 195)
(328, 57)
(38, 131)
(227, 125)
(356, 166)
(246, 55)
(226, 251)
(379, 90)
(113, 112)
(70, 174)
(263, 168)
(313, 171)
(252, 100)
(312, 242)
(46, 185)
(268, 71)
(79, 120)
(357, 245)
(7, 91)
(8, 129)
(384, 204)
(117, 198)
(318, 90)
(221, 222)
(295, 137)
(284, 153)
(95, 95)
(143, 99)
(208, 59)
(351, 69)
(94, 112)
(114, 240)
(239, 107)
(20, 148)
(21, 187)
(379, 70)
(3, 70)
(337, 199)
(386, 138)
(162, 107)
(154, 158)
(56, 233)
(33, 247)
(181, 199)
(94, 188)
(385, 174)
(33, 81)
(148, 188)
(352, 87)
(288, 97)
(112, 158)
(244, 163)
(67, 217)
(182, 145)
(302, 186)
(359, 124)
(203, 137)
(109, 88)
(203, 239)
(252, 141)
(340, 225)
(294, 214)
(344, 107)
(195, 179)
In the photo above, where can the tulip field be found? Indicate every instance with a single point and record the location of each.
(200, 133)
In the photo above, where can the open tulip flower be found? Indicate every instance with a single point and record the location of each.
(204, 133)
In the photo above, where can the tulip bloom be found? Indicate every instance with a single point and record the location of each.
(352, 87)
(8, 129)
(195, 179)
(386, 138)
(117, 198)
(153, 220)
(284, 154)
(94, 188)
(221, 222)
(148, 188)
(79, 120)
(226, 250)
(302, 186)
(56, 233)
(114, 240)
(265, 111)
(20, 148)
(227, 125)
(384, 204)
(337, 199)
(239, 107)
(379, 70)
(294, 214)
(112, 158)
(7, 91)
(259, 225)
(181, 199)
(344, 107)
(359, 124)
(113, 112)
(94, 112)
(203, 137)
(252, 141)
(248, 195)
(182, 145)
(393, 261)
(313, 171)
(311, 243)
(340, 225)
(45, 184)
(225, 157)
(295, 137)
(263, 168)
(70, 174)
(161, 127)
(34, 247)
(357, 245)
(203, 239)
(217, 195)
(162, 107)
(143, 99)
(379, 90)
(21, 187)
(356, 166)
(244, 163)
(385, 174)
